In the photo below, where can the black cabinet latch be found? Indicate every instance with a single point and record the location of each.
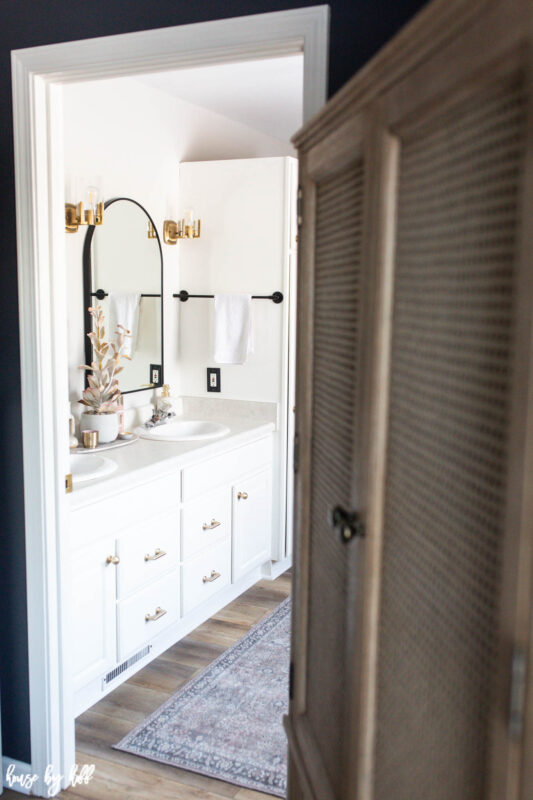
(348, 523)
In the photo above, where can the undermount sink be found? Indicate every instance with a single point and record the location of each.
(89, 466)
(184, 431)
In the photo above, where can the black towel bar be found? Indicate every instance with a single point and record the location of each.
(276, 297)
(100, 294)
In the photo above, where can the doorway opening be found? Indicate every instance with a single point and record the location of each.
(215, 139)
(39, 75)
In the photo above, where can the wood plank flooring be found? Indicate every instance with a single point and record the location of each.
(123, 776)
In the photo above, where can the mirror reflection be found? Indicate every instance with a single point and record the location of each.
(123, 273)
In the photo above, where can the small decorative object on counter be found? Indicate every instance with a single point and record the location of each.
(127, 435)
(163, 410)
(120, 413)
(73, 442)
(102, 394)
(90, 439)
(165, 402)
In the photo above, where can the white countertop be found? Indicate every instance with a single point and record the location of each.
(146, 459)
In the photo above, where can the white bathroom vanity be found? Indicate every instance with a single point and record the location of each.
(175, 533)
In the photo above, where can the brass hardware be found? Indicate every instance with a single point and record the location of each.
(214, 575)
(68, 483)
(113, 560)
(151, 231)
(90, 439)
(173, 231)
(214, 524)
(242, 495)
(147, 385)
(76, 216)
(158, 554)
(159, 612)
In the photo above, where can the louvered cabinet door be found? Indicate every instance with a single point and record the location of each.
(442, 582)
(415, 386)
(328, 403)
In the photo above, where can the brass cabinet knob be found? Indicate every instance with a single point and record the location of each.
(158, 554)
(242, 495)
(159, 612)
(113, 560)
(214, 575)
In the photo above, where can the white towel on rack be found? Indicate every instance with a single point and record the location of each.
(233, 328)
(124, 310)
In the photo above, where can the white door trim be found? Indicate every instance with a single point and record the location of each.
(37, 73)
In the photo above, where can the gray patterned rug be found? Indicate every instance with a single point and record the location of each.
(227, 721)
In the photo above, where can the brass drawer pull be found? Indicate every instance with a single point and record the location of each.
(242, 495)
(158, 554)
(214, 575)
(213, 524)
(112, 560)
(159, 612)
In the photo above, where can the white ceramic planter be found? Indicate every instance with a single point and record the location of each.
(105, 424)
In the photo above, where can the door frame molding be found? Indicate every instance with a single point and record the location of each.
(38, 74)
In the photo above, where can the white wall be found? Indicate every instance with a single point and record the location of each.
(130, 139)
(244, 249)
(248, 211)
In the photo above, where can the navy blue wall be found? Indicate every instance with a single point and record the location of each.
(358, 29)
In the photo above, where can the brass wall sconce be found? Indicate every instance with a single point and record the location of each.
(186, 228)
(151, 231)
(76, 215)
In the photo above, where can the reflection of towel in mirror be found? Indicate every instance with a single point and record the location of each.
(233, 328)
(124, 310)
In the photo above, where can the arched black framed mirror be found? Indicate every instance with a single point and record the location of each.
(123, 273)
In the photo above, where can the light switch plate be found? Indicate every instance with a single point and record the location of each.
(213, 379)
(155, 374)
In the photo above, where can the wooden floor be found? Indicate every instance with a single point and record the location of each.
(123, 776)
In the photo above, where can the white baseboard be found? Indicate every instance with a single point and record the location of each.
(21, 774)
(273, 569)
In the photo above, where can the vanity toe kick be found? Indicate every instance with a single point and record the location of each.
(204, 576)
(147, 613)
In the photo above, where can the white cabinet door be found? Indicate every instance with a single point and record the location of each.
(94, 632)
(251, 523)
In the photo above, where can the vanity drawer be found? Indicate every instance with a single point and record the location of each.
(225, 468)
(134, 630)
(114, 514)
(205, 522)
(147, 551)
(205, 575)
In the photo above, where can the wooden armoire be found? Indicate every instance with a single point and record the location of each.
(411, 672)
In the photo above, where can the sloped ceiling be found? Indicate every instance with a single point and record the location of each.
(266, 95)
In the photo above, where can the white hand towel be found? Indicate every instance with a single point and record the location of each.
(233, 328)
(124, 310)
